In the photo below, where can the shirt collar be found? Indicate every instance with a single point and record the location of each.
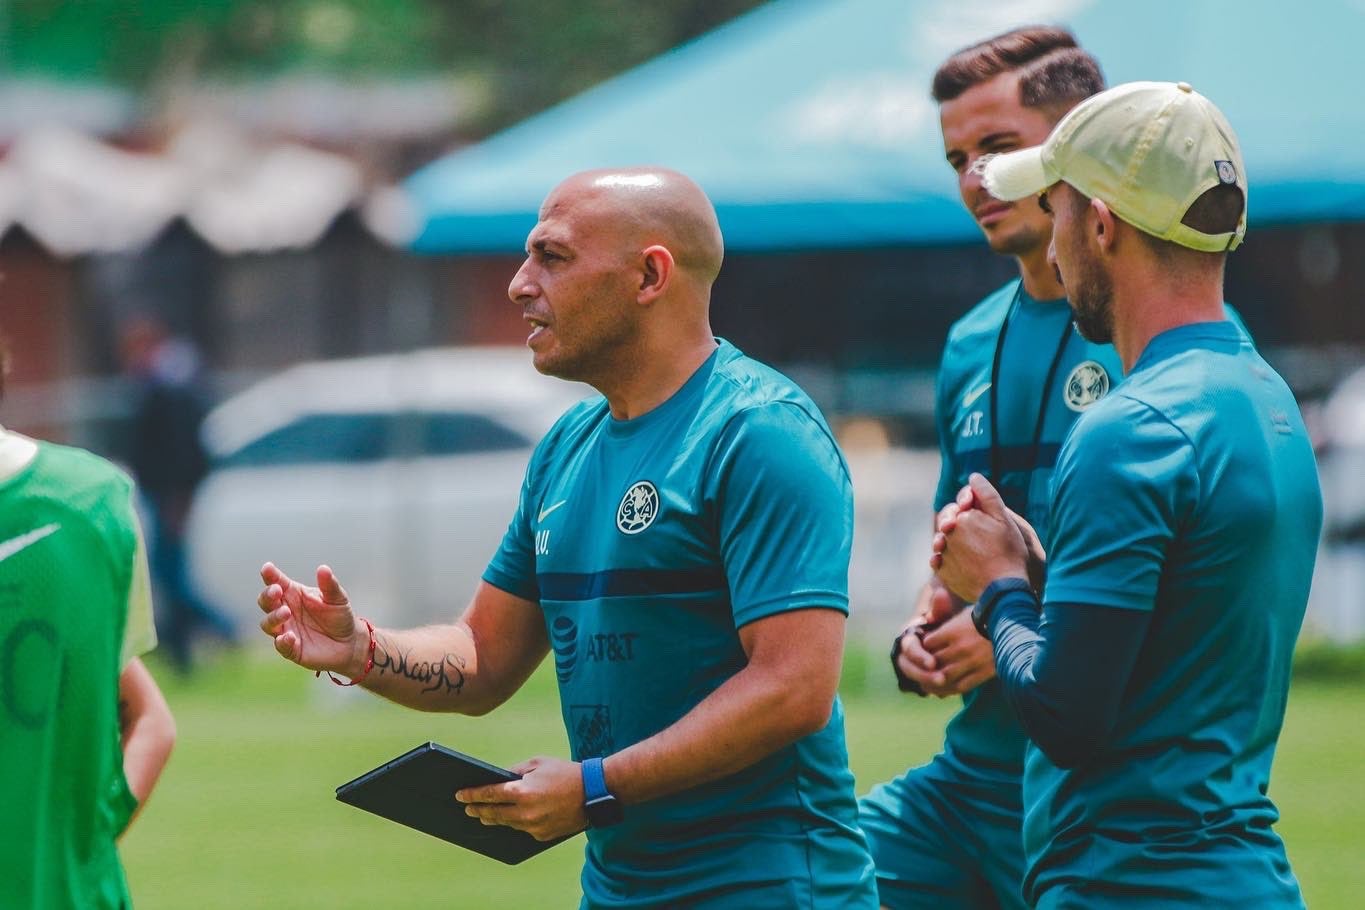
(15, 453)
(1186, 337)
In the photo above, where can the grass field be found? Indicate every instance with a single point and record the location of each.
(245, 815)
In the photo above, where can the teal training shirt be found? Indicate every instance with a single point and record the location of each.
(984, 740)
(1190, 492)
(648, 544)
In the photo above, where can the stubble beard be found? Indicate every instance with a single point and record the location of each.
(1024, 240)
(1091, 294)
(595, 354)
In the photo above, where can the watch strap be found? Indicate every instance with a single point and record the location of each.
(594, 780)
(903, 682)
(986, 603)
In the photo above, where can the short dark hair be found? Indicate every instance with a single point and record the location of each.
(1053, 68)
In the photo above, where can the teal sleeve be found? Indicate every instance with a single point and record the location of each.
(1125, 482)
(784, 506)
(1064, 673)
(513, 566)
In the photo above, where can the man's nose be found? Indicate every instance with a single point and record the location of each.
(975, 170)
(970, 179)
(522, 286)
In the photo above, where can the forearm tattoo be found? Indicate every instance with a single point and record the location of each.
(443, 677)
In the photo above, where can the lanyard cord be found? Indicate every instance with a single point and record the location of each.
(996, 467)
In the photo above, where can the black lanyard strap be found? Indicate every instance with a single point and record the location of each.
(1036, 446)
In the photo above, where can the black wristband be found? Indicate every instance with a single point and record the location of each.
(919, 630)
(903, 682)
(985, 604)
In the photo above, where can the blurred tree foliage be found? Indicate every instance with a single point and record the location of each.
(523, 54)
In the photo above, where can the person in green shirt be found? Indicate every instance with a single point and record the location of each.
(84, 729)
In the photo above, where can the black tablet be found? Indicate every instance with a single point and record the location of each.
(417, 789)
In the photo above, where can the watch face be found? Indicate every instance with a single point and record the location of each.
(603, 811)
(980, 622)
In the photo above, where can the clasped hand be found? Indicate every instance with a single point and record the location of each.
(978, 539)
(944, 658)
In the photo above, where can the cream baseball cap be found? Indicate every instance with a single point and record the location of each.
(1147, 149)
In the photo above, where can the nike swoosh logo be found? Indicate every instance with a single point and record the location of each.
(544, 512)
(974, 394)
(23, 541)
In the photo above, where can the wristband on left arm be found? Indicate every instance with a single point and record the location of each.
(599, 804)
(986, 603)
(919, 630)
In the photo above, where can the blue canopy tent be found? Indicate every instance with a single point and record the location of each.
(809, 122)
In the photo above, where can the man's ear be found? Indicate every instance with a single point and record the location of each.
(656, 275)
(1103, 227)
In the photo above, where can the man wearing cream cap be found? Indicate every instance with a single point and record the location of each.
(1147, 654)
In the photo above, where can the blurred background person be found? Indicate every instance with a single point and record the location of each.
(168, 460)
(1005, 399)
(84, 729)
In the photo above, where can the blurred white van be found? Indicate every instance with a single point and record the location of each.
(401, 472)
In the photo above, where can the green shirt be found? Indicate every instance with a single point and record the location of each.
(69, 552)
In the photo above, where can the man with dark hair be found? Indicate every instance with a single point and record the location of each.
(1184, 527)
(84, 728)
(1054, 70)
(1014, 376)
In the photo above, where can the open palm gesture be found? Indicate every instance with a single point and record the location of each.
(312, 626)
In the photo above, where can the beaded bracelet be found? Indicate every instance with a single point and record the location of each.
(369, 660)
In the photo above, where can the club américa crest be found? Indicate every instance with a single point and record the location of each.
(1087, 384)
(638, 508)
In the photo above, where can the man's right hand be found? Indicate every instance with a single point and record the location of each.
(312, 626)
(938, 655)
(949, 659)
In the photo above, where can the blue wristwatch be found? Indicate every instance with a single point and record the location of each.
(602, 808)
(985, 604)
